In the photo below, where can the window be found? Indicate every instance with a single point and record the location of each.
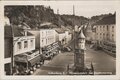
(107, 27)
(19, 45)
(46, 41)
(31, 41)
(103, 28)
(42, 40)
(112, 28)
(25, 44)
(103, 35)
(112, 35)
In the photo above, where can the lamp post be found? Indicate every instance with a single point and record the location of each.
(12, 51)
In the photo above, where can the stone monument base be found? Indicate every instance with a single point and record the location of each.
(77, 71)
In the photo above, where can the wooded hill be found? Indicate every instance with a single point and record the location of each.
(35, 15)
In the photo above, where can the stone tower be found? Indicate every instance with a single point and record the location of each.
(79, 53)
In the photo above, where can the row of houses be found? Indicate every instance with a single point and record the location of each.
(21, 39)
(103, 33)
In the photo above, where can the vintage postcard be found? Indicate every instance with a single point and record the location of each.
(60, 40)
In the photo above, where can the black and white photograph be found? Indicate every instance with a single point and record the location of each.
(46, 39)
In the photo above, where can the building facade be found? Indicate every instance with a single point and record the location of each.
(60, 35)
(47, 37)
(46, 41)
(105, 33)
(44, 37)
(17, 41)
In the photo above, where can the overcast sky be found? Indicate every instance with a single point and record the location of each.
(85, 8)
(82, 8)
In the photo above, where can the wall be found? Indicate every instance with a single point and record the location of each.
(47, 37)
(61, 36)
(106, 34)
(30, 45)
(66, 36)
(8, 48)
(36, 33)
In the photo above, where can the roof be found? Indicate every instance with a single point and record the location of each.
(47, 25)
(59, 30)
(111, 19)
(81, 35)
(18, 31)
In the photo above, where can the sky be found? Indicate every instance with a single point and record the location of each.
(86, 8)
(82, 8)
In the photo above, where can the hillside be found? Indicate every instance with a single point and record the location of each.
(75, 20)
(35, 15)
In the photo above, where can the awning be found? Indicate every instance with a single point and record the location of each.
(34, 60)
(20, 58)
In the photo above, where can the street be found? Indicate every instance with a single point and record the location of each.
(57, 64)
(102, 63)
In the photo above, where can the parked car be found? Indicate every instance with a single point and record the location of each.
(67, 49)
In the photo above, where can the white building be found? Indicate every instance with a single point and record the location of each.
(68, 33)
(64, 36)
(47, 41)
(60, 35)
(106, 33)
(44, 37)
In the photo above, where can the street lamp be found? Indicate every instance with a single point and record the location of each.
(12, 51)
